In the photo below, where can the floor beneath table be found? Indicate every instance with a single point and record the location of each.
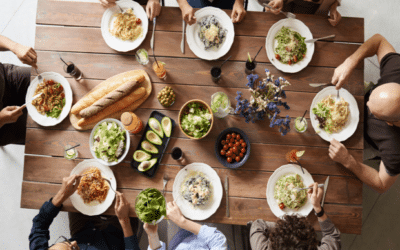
(381, 222)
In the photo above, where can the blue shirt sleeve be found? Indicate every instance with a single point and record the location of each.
(39, 236)
(213, 238)
(131, 243)
(163, 246)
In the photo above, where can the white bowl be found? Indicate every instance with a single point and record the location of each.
(127, 143)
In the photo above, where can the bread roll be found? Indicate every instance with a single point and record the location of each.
(121, 104)
(100, 92)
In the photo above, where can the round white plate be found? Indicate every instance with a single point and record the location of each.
(200, 212)
(43, 119)
(94, 208)
(289, 169)
(197, 46)
(108, 20)
(127, 143)
(271, 43)
(352, 122)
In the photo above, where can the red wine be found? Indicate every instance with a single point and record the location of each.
(176, 153)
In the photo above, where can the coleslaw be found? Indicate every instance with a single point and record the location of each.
(291, 46)
(286, 195)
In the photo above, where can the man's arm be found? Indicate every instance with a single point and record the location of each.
(238, 11)
(187, 12)
(25, 54)
(380, 181)
(376, 45)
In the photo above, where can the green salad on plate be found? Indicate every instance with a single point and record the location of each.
(291, 46)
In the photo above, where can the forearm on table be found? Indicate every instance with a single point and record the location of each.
(7, 44)
(190, 226)
(182, 3)
(376, 45)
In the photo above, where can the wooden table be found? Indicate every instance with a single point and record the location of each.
(73, 30)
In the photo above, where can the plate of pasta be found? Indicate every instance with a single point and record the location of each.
(212, 36)
(281, 196)
(93, 196)
(197, 190)
(124, 31)
(55, 101)
(334, 118)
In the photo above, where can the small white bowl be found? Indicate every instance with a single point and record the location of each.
(127, 142)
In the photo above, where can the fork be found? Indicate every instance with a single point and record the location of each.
(109, 183)
(300, 189)
(165, 180)
(39, 76)
(287, 14)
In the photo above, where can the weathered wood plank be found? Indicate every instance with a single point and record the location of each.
(347, 219)
(350, 29)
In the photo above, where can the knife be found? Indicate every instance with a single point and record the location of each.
(325, 188)
(315, 85)
(227, 197)
(183, 37)
(316, 39)
(152, 36)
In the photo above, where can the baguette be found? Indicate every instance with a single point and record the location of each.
(121, 104)
(108, 100)
(100, 92)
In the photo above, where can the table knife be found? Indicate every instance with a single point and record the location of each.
(315, 85)
(325, 188)
(227, 196)
(183, 37)
(316, 39)
(152, 36)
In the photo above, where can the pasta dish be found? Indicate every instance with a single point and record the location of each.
(127, 26)
(332, 114)
(52, 100)
(211, 33)
(286, 195)
(291, 46)
(196, 188)
(92, 186)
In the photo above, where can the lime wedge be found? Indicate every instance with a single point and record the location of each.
(300, 153)
(248, 54)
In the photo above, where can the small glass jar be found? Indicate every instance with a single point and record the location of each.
(70, 154)
(300, 125)
(131, 122)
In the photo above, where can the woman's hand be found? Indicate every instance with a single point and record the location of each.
(25, 54)
(277, 5)
(68, 187)
(335, 16)
(174, 214)
(122, 207)
(107, 3)
(315, 196)
(150, 229)
(188, 14)
(238, 12)
(153, 9)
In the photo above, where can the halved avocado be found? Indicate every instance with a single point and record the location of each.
(148, 147)
(166, 126)
(153, 137)
(156, 126)
(141, 156)
(146, 165)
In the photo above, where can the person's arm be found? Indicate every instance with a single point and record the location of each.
(10, 114)
(376, 45)
(152, 235)
(335, 16)
(277, 6)
(187, 12)
(238, 11)
(25, 54)
(153, 8)
(259, 234)
(380, 181)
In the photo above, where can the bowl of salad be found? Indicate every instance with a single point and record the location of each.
(196, 119)
(109, 142)
(150, 206)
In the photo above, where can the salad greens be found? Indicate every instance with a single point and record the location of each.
(291, 46)
(109, 141)
(196, 120)
(150, 205)
(285, 193)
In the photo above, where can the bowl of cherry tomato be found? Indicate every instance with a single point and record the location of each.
(232, 148)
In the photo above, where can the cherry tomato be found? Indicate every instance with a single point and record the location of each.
(237, 158)
(223, 142)
(230, 144)
(229, 153)
(278, 57)
(138, 21)
(237, 144)
(282, 206)
(229, 159)
(225, 147)
(288, 49)
(233, 156)
(241, 155)
(243, 145)
(232, 140)
(295, 58)
(238, 137)
(233, 135)
(304, 55)
(50, 82)
(228, 137)
(290, 62)
(234, 149)
(62, 95)
(243, 150)
(227, 141)
(241, 141)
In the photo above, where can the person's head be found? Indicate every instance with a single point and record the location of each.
(62, 243)
(293, 232)
(384, 103)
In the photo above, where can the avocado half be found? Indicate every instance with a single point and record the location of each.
(156, 126)
(152, 137)
(141, 156)
(166, 126)
(146, 165)
(148, 147)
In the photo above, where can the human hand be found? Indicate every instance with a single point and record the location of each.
(153, 9)
(10, 114)
(342, 73)
(174, 213)
(150, 229)
(68, 187)
(108, 3)
(25, 54)
(122, 207)
(277, 5)
(339, 153)
(238, 12)
(188, 14)
(335, 16)
(315, 196)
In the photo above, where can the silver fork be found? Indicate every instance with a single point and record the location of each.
(109, 183)
(300, 189)
(39, 76)
(165, 180)
(287, 14)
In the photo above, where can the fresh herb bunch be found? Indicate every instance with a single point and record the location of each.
(266, 97)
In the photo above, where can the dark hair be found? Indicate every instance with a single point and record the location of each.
(293, 232)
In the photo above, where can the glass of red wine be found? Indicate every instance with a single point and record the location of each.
(177, 154)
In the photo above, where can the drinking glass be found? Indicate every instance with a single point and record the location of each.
(70, 68)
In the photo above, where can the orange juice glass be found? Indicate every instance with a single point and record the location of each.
(160, 71)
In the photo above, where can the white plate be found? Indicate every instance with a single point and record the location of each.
(200, 212)
(352, 122)
(43, 119)
(108, 20)
(94, 208)
(127, 143)
(271, 43)
(289, 169)
(197, 46)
